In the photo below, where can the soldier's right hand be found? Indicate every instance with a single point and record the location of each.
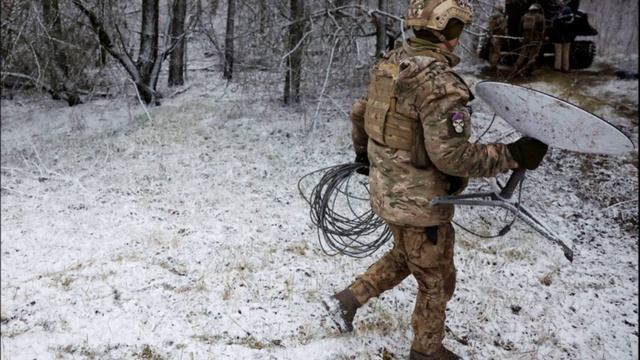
(364, 160)
(528, 152)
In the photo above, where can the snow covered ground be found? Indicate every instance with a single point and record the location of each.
(183, 236)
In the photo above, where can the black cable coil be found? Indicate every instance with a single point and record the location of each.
(342, 229)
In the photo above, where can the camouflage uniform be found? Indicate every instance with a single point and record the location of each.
(429, 91)
(533, 27)
(497, 26)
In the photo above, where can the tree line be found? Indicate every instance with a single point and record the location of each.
(75, 49)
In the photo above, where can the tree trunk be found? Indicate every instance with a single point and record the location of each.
(58, 69)
(102, 59)
(293, 75)
(145, 88)
(51, 13)
(148, 41)
(52, 21)
(381, 29)
(176, 60)
(264, 16)
(228, 41)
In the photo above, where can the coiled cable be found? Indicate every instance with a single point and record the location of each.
(344, 220)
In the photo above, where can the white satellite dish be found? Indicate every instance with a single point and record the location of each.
(553, 121)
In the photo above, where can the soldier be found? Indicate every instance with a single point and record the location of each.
(533, 27)
(562, 36)
(497, 28)
(411, 130)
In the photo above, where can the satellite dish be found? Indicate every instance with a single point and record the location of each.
(553, 121)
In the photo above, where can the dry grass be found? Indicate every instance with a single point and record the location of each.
(547, 279)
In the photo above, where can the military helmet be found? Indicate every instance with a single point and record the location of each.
(435, 14)
(535, 7)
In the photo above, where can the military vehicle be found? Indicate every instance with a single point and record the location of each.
(583, 52)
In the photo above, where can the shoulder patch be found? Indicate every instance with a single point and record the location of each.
(457, 122)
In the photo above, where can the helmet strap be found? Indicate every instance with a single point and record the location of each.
(442, 39)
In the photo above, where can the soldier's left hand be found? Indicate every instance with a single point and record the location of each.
(364, 160)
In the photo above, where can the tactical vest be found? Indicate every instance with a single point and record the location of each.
(529, 22)
(384, 125)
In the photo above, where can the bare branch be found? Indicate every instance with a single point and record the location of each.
(105, 41)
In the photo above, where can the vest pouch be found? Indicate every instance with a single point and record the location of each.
(399, 130)
(375, 119)
(528, 22)
(379, 97)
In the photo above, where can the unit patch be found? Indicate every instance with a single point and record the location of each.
(457, 122)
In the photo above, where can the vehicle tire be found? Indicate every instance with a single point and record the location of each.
(582, 54)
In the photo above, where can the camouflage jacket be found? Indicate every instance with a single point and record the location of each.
(498, 24)
(426, 89)
(533, 26)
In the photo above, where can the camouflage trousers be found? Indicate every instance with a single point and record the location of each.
(528, 54)
(430, 261)
(494, 50)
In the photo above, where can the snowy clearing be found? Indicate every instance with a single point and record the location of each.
(184, 236)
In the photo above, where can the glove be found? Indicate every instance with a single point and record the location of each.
(528, 152)
(364, 160)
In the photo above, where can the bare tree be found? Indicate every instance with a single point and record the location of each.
(293, 76)
(148, 55)
(43, 47)
(322, 40)
(228, 41)
(102, 53)
(145, 71)
(264, 15)
(176, 60)
(381, 28)
(58, 66)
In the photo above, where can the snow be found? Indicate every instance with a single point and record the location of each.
(184, 236)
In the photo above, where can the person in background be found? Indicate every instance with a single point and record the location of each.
(562, 36)
(497, 28)
(533, 28)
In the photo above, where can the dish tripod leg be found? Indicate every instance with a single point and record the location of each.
(503, 200)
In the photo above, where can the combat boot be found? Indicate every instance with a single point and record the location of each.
(442, 354)
(342, 309)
